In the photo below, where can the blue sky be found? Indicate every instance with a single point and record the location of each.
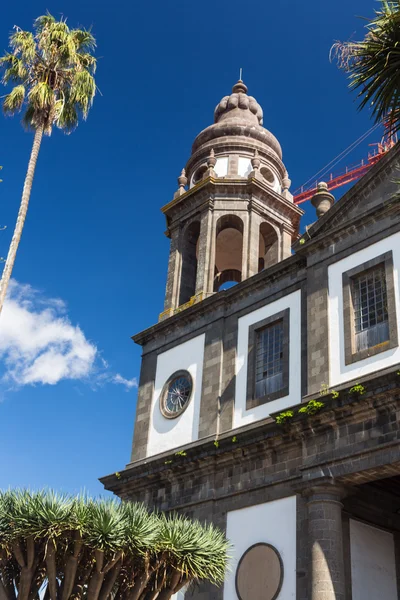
(92, 263)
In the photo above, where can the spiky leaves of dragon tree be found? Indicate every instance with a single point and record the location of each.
(62, 548)
(373, 64)
(52, 73)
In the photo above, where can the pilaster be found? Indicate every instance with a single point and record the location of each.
(286, 243)
(174, 263)
(325, 532)
(204, 256)
(253, 243)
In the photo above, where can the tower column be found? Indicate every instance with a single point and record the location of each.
(205, 254)
(253, 243)
(327, 580)
(172, 288)
(286, 243)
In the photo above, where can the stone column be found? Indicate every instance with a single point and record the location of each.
(174, 264)
(286, 243)
(253, 242)
(205, 254)
(326, 573)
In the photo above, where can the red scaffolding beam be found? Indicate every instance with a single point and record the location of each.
(350, 173)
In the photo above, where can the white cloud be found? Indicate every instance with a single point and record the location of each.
(128, 383)
(40, 345)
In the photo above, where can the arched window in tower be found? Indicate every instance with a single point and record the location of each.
(228, 251)
(189, 262)
(269, 247)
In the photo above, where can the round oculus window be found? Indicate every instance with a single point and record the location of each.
(176, 394)
(259, 575)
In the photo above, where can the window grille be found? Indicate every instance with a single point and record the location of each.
(269, 359)
(371, 323)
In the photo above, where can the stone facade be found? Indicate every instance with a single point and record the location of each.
(341, 466)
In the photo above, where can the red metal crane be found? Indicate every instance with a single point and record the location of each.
(351, 173)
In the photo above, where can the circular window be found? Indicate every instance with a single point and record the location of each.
(176, 394)
(268, 176)
(259, 575)
(198, 176)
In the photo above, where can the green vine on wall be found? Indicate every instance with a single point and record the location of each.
(311, 408)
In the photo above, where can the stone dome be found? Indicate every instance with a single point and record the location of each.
(239, 107)
(238, 118)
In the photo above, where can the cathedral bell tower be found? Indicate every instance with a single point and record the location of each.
(232, 215)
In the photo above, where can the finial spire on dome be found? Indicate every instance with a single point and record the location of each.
(239, 107)
(239, 87)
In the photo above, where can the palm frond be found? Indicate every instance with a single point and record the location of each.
(55, 65)
(84, 40)
(42, 22)
(23, 44)
(14, 100)
(373, 64)
(82, 91)
(41, 96)
(14, 69)
(67, 117)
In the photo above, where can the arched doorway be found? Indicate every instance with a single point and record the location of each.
(228, 251)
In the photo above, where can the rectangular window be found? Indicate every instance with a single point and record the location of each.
(371, 321)
(369, 309)
(268, 360)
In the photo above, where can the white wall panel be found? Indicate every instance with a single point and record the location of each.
(339, 372)
(221, 166)
(167, 434)
(272, 523)
(241, 415)
(373, 567)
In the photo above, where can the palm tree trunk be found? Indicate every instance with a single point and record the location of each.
(23, 209)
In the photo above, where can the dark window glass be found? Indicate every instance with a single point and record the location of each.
(269, 359)
(371, 324)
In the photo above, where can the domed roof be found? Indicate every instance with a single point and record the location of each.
(239, 107)
(238, 117)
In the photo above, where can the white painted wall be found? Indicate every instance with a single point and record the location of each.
(241, 415)
(373, 567)
(167, 434)
(338, 371)
(244, 166)
(272, 523)
(221, 166)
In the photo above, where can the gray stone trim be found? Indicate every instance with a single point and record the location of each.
(326, 544)
(304, 335)
(251, 400)
(349, 440)
(347, 555)
(228, 373)
(396, 535)
(143, 406)
(317, 330)
(302, 560)
(356, 235)
(351, 356)
(211, 380)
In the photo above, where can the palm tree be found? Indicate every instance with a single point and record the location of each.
(52, 73)
(65, 548)
(373, 64)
